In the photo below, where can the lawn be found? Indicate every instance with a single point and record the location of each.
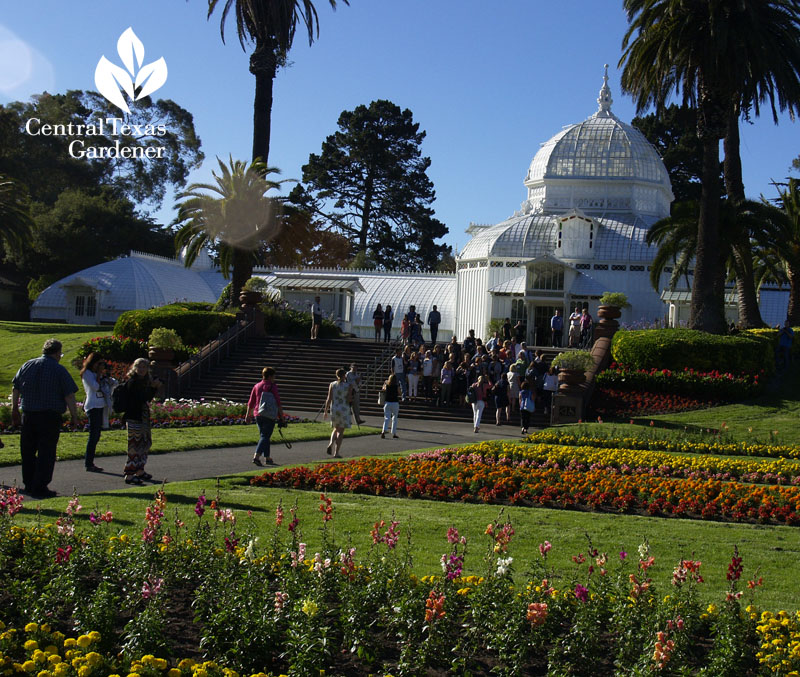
(22, 341)
(166, 440)
(768, 551)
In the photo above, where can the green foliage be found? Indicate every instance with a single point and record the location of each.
(114, 348)
(258, 284)
(675, 349)
(614, 298)
(289, 322)
(166, 339)
(575, 359)
(225, 300)
(37, 285)
(195, 327)
(44, 165)
(494, 325)
(370, 183)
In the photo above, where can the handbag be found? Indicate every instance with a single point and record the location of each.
(381, 397)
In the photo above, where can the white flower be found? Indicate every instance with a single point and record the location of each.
(503, 564)
(644, 549)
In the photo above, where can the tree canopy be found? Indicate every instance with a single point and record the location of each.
(370, 184)
(42, 162)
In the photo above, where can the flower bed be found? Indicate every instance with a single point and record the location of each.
(701, 385)
(152, 605)
(613, 403)
(622, 461)
(475, 481)
(166, 414)
(653, 443)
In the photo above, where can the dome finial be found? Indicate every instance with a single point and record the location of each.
(604, 101)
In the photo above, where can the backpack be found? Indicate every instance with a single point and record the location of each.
(472, 396)
(119, 398)
(268, 406)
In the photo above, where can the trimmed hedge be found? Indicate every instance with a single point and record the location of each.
(114, 348)
(290, 322)
(678, 348)
(195, 327)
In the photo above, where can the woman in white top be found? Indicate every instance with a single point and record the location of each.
(550, 388)
(96, 404)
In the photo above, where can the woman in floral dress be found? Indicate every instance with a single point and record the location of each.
(340, 395)
(141, 389)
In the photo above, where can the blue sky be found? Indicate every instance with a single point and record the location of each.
(488, 81)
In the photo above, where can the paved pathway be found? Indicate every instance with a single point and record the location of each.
(203, 463)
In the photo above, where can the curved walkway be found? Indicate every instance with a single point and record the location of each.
(70, 475)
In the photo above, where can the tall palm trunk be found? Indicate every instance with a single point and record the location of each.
(749, 312)
(708, 313)
(793, 312)
(264, 66)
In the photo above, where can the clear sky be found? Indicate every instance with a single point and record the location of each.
(488, 81)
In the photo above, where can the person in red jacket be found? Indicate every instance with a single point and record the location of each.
(265, 403)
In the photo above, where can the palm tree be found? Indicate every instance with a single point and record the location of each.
(787, 245)
(270, 25)
(715, 53)
(748, 230)
(15, 219)
(234, 215)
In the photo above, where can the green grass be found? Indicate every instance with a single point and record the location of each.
(770, 418)
(165, 440)
(23, 341)
(768, 551)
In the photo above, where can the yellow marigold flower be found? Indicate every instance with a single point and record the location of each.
(134, 674)
(93, 658)
(200, 672)
(161, 663)
(30, 645)
(45, 627)
(84, 671)
(78, 662)
(44, 673)
(70, 642)
(51, 649)
(61, 669)
(94, 636)
(58, 636)
(31, 627)
(84, 641)
(186, 663)
(54, 659)
(174, 672)
(28, 666)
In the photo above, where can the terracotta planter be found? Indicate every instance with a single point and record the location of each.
(571, 377)
(250, 299)
(164, 355)
(609, 312)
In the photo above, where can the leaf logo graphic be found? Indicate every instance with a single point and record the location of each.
(111, 80)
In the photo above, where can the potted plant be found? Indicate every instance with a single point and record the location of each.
(611, 305)
(163, 343)
(572, 366)
(253, 291)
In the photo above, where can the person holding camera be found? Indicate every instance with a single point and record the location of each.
(46, 390)
(265, 404)
(140, 388)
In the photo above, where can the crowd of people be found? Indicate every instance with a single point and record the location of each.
(503, 370)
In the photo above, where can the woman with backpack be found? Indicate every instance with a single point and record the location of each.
(265, 404)
(97, 403)
(140, 389)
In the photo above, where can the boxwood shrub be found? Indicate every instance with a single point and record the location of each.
(289, 322)
(195, 327)
(678, 348)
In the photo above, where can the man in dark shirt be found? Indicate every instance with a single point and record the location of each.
(434, 320)
(557, 328)
(470, 345)
(46, 390)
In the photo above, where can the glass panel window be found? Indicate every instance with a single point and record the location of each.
(519, 312)
(91, 306)
(80, 304)
(546, 277)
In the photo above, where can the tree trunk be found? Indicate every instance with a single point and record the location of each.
(749, 312)
(793, 312)
(707, 313)
(242, 270)
(263, 65)
(366, 214)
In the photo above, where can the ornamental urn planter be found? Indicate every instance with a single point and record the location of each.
(161, 355)
(569, 379)
(609, 312)
(249, 299)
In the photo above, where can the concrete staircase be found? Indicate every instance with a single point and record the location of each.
(305, 368)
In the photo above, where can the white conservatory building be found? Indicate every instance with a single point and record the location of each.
(593, 192)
